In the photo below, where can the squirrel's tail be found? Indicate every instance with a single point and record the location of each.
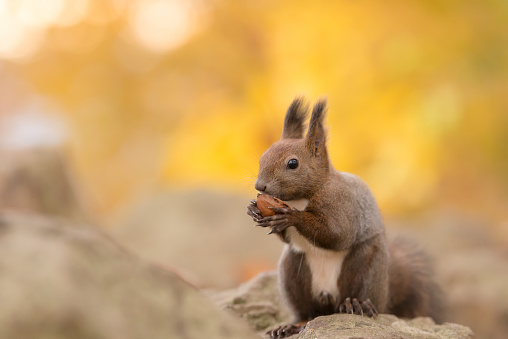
(413, 292)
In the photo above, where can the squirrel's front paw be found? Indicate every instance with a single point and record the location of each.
(283, 218)
(254, 211)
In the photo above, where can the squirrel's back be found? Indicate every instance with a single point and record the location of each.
(412, 290)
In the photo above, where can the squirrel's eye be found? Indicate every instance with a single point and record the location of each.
(292, 164)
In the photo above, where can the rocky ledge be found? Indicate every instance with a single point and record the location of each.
(258, 302)
(59, 279)
(63, 280)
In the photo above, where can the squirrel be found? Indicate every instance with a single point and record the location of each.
(336, 257)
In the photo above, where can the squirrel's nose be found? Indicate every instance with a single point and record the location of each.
(260, 186)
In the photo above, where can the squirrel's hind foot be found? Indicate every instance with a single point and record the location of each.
(285, 331)
(356, 307)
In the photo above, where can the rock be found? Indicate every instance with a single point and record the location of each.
(472, 268)
(258, 302)
(62, 280)
(199, 224)
(345, 326)
(38, 180)
(470, 264)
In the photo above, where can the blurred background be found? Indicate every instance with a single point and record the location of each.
(147, 118)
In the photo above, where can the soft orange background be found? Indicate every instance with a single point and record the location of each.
(177, 93)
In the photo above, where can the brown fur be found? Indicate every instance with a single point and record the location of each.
(411, 282)
(341, 216)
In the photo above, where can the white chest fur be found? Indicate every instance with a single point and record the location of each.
(325, 265)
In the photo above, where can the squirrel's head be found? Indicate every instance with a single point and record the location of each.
(295, 166)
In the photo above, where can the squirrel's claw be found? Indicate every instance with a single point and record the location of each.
(282, 219)
(278, 229)
(254, 211)
(278, 223)
(369, 308)
(356, 307)
(273, 220)
(348, 307)
(286, 330)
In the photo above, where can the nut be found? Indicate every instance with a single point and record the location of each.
(264, 201)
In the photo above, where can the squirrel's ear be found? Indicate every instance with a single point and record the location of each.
(294, 120)
(316, 136)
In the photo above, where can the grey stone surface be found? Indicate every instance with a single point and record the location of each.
(470, 263)
(39, 180)
(257, 301)
(62, 280)
(345, 326)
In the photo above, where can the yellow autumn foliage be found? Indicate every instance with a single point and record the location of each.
(190, 93)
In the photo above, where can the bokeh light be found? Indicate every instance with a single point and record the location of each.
(160, 25)
(198, 89)
(148, 118)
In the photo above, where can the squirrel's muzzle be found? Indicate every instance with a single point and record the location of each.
(260, 186)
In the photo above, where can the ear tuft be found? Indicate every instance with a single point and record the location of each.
(295, 118)
(316, 134)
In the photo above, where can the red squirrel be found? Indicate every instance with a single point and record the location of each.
(336, 257)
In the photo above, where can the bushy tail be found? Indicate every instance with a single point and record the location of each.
(413, 292)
